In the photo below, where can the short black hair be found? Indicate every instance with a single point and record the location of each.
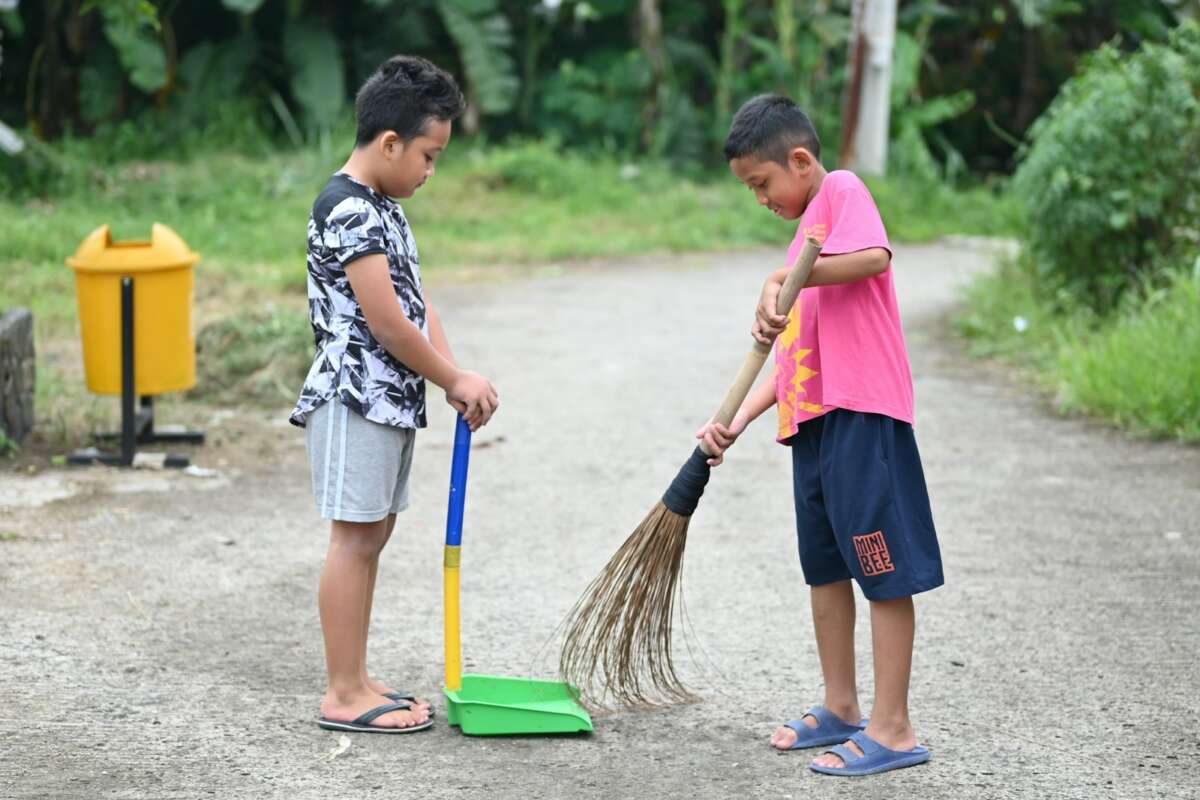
(769, 127)
(403, 95)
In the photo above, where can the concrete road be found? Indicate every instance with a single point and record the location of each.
(159, 633)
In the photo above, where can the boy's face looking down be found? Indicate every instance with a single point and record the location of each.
(407, 165)
(786, 189)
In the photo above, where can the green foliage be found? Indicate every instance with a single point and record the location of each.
(210, 74)
(131, 26)
(7, 446)
(483, 37)
(101, 81)
(914, 119)
(318, 81)
(969, 76)
(1111, 184)
(243, 6)
(597, 99)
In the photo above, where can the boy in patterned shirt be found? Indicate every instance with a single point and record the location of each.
(378, 339)
(843, 390)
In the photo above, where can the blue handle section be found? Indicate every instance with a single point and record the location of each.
(458, 483)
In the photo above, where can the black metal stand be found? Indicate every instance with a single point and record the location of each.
(137, 425)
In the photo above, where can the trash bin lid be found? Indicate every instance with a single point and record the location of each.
(165, 250)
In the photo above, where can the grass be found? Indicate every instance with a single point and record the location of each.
(1138, 368)
(520, 204)
(1142, 370)
(245, 213)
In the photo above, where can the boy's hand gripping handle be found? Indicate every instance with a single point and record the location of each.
(452, 554)
(797, 277)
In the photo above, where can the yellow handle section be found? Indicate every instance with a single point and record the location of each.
(450, 564)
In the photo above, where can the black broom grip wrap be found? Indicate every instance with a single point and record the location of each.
(684, 493)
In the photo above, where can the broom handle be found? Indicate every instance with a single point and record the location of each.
(801, 269)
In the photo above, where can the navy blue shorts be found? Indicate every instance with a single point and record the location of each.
(862, 510)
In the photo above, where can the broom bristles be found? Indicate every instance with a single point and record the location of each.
(618, 635)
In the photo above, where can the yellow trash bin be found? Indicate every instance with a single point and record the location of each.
(163, 287)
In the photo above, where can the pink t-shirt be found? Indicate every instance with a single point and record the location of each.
(843, 347)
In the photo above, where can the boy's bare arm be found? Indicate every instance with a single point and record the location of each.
(756, 403)
(827, 271)
(849, 267)
(437, 334)
(470, 393)
(718, 438)
(372, 284)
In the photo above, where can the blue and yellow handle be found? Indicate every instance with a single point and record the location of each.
(452, 555)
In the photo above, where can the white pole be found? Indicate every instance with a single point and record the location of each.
(871, 136)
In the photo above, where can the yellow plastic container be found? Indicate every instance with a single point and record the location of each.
(163, 288)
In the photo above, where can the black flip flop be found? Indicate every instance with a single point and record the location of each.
(400, 697)
(362, 724)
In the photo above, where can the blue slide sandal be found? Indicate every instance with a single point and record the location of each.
(831, 729)
(875, 758)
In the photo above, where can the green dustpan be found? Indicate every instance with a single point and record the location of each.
(489, 705)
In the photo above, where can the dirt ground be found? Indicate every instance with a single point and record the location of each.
(159, 633)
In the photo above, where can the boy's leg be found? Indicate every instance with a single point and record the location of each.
(833, 622)
(880, 508)
(826, 574)
(374, 685)
(893, 626)
(343, 600)
(372, 574)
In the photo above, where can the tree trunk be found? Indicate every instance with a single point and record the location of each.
(535, 36)
(855, 57)
(650, 39)
(785, 37)
(1026, 100)
(729, 37)
(868, 127)
(470, 116)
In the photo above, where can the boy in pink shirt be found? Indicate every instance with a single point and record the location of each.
(843, 391)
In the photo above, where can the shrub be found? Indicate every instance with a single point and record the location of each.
(1111, 183)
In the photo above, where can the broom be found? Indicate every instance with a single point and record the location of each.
(618, 634)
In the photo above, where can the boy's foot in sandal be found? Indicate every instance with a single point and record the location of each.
(817, 728)
(405, 697)
(381, 688)
(862, 755)
(373, 713)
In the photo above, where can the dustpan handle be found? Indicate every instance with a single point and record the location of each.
(452, 555)
(458, 483)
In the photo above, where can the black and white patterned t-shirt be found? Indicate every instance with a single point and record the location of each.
(350, 220)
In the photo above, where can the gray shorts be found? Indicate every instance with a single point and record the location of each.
(359, 468)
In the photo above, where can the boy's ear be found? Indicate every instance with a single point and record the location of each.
(802, 159)
(389, 143)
